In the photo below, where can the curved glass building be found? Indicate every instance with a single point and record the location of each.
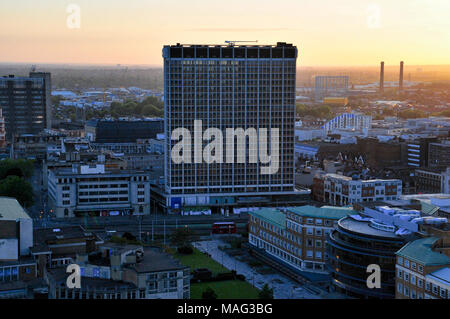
(355, 244)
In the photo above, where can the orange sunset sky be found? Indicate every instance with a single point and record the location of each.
(327, 32)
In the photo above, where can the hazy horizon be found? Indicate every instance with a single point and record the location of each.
(299, 65)
(327, 33)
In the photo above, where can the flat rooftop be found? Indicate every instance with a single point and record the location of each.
(155, 261)
(442, 275)
(421, 251)
(59, 275)
(230, 45)
(272, 216)
(326, 212)
(10, 209)
(364, 228)
(112, 173)
(44, 235)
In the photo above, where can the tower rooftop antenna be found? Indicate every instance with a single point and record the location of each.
(233, 42)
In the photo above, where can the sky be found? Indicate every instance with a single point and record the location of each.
(132, 32)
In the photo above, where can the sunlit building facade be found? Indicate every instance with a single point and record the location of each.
(229, 87)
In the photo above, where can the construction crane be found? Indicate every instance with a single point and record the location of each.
(232, 43)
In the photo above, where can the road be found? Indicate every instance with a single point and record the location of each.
(40, 196)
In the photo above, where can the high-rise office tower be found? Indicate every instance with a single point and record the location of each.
(26, 103)
(229, 87)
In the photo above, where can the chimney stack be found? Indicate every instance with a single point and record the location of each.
(400, 83)
(382, 77)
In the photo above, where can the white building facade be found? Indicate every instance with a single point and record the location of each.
(344, 190)
(95, 191)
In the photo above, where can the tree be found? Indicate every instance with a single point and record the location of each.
(128, 236)
(411, 114)
(388, 112)
(266, 292)
(18, 188)
(20, 168)
(209, 293)
(180, 236)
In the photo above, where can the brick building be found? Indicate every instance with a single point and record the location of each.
(295, 236)
(439, 154)
(422, 270)
(343, 190)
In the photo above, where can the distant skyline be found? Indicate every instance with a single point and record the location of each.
(132, 32)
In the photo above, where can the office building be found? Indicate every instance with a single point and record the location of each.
(295, 236)
(429, 181)
(17, 268)
(95, 191)
(349, 121)
(33, 146)
(16, 236)
(26, 103)
(117, 271)
(123, 130)
(343, 190)
(229, 87)
(330, 86)
(356, 243)
(374, 236)
(437, 284)
(416, 151)
(422, 269)
(439, 154)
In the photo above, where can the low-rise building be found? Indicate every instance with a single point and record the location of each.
(438, 284)
(422, 269)
(93, 190)
(16, 230)
(375, 236)
(439, 154)
(18, 269)
(119, 271)
(430, 181)
(353, 245)
(343, 190)
(295, 236)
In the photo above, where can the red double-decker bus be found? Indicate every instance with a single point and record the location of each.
(224, 228)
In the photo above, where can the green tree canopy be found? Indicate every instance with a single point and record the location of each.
(180, 236)
(266, 292)
(209, 293)
(411, 114)
(18, 188)
(20, 167)
(319, 111)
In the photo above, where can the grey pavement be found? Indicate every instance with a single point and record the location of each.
(283, 287)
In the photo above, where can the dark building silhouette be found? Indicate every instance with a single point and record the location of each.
(26, 103)
(382, 77)
(123, 131)
(400, 83)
